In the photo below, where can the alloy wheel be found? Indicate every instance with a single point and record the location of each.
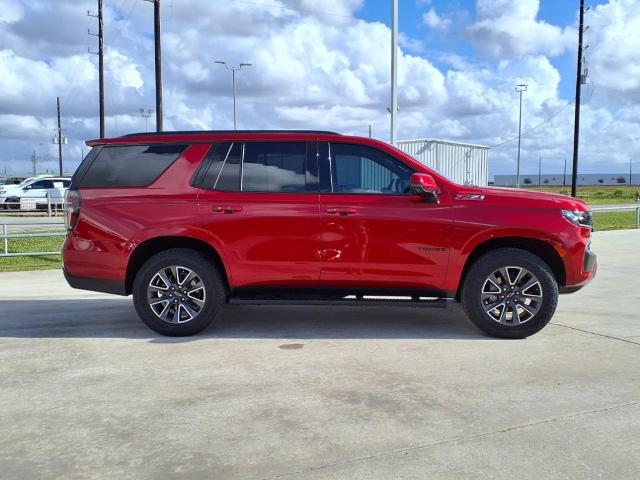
(511, 295)
(176, 294)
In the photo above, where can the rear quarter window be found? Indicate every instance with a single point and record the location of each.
(128, 166)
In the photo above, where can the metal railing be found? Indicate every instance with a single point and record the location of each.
(619, 208)
(52, 205)
(6, 236)
(60, 231)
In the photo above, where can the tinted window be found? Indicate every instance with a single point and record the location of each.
(207, 174)
(130, 166)
(274, 167)
(40, 184)
(229, 177)
(360, 169)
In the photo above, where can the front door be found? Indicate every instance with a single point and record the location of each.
(261, 202)
(375, 234)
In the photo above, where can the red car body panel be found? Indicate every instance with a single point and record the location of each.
(316, 240)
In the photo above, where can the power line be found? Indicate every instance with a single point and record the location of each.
(533, 128)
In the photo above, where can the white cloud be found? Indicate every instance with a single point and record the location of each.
(312, 70)
(614, 42)
(507, 28)
(432, 20)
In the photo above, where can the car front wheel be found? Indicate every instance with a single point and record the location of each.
(510, 293)
(178, 292)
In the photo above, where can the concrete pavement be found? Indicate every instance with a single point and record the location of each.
(87, 391)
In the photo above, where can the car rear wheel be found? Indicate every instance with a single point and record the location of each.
(510, 293)
(178, 292)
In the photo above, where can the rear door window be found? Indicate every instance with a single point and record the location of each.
(274, 167)
(229, 177)
(278, 167)
(129, 166)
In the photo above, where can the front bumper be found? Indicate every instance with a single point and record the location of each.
(590, 261)
(589, 269)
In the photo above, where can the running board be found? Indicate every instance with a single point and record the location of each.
(349, 301)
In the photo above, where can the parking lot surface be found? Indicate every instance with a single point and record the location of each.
(87, 391)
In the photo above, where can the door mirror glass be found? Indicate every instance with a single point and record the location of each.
(424, 185)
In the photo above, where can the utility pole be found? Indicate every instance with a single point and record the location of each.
(630, 171)
(34, 161)
(394, 68)
(522, 87)
(564, 175)
(158, 62)
(233, 82)
(59, 138)
(539, 172)
(100, 54)
(369, 130)
(580, 79)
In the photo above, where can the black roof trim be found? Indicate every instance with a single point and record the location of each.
(217, 132)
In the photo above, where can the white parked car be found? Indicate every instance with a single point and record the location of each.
(32, 193)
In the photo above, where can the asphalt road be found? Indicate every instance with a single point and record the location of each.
(86, 391)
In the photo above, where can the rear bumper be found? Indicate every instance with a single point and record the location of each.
(115, 287)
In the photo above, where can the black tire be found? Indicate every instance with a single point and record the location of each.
(12, 203)
(210, 277)
(480, 271)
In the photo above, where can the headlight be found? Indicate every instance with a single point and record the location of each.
(579, 217)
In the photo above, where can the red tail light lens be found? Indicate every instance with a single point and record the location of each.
(72, 209)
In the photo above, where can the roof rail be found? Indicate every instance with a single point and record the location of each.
(216, 132)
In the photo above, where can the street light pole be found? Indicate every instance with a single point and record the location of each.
(522, 87)
(146, 116)
(233, 82)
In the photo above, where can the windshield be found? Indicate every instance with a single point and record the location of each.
(25, 182)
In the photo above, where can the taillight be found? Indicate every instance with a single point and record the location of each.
(72, 209)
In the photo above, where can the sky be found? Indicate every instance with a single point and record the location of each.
(325, 64)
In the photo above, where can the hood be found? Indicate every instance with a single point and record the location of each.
(554, 200)
(9, 188)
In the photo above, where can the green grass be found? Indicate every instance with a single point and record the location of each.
(614, 220)
(23, 245)
(597, 195)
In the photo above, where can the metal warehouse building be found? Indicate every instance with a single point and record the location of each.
(464, 163)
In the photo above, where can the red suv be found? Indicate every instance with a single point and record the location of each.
(188, 221)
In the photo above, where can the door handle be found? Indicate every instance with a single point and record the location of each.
(227, 209)
(343, 211)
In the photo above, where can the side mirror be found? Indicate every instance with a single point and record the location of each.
(424, 185)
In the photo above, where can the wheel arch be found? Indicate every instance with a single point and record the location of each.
(545, 250)
(154, 245)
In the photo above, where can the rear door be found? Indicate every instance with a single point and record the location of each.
(375, 234)
(260, 200)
